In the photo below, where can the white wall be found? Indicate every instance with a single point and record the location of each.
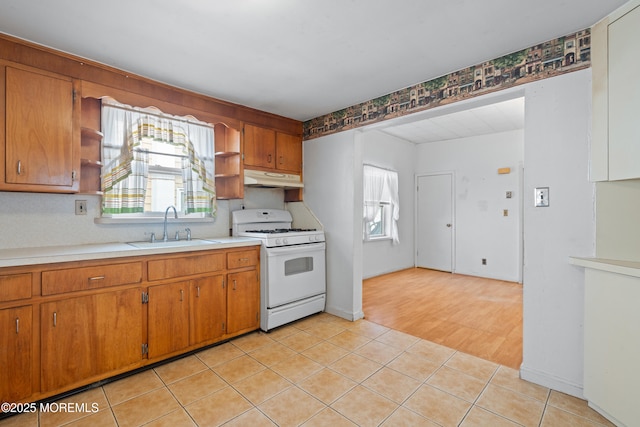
(556, 153)
(331, 186)
(481, 229)
(389, 152)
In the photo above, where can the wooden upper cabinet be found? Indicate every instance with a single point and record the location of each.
(259, 147)
(41, 133)
(268, 149)
(289, 152)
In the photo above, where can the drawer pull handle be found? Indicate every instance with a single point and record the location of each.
(17, 325)
(93, 279)
(244, 259)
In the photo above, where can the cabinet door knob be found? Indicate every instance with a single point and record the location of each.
(17, 325)
(234, 284)
(19, 167)
(55, 319)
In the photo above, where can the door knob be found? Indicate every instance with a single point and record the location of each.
(449, 225)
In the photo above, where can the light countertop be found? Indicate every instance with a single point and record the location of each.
(54, 254)
(628, 268)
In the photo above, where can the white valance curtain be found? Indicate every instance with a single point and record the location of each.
(380, 186)
(126, 169)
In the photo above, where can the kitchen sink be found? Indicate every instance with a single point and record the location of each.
(171, 243)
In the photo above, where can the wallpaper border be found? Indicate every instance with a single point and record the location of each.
(552, 58)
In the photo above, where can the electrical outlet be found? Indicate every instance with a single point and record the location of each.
(81, 207)
(484, 261)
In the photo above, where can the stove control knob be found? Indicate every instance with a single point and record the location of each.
(278, 242)
(311, 238)
(285, 241)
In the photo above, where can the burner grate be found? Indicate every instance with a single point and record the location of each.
(281, 230)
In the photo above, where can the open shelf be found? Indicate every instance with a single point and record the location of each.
(228, 163)
(90, 147)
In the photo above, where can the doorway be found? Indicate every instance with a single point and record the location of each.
(434, 222)
(471, 176)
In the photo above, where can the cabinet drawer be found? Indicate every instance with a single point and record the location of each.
(242, 259)
(15, 286)
(178, 267)
(83, 278)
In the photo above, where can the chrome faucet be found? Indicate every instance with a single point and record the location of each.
(165, 236)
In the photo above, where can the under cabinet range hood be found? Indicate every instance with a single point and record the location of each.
(271, 179)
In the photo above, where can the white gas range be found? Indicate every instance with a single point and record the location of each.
(292, 265)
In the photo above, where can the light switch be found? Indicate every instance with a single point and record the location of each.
(541, 197)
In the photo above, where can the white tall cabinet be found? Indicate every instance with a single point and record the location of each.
(612, 279)
(615, 146)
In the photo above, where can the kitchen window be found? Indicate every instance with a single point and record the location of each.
(380, 204)
(153, 160)
(379, 227)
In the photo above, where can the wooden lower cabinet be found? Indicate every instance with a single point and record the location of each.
(16, 355)
(243, 301)
(208, 298)
(61, 328)
(168, 318)
(90, 335)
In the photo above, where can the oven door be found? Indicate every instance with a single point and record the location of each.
(292, 273)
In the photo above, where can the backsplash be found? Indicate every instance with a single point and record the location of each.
(38, 219)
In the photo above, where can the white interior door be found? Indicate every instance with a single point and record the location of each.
(434, 224)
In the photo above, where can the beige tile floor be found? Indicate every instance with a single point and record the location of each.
(323, 371)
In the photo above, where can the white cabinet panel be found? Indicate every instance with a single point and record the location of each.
(615, 144)
(624, 96)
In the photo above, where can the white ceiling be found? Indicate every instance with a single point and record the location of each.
(494, 118)
(296, 58)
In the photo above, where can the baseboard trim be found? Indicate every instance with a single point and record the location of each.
(351, 316)
(551, 381)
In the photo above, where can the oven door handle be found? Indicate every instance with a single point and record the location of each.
(295, 248)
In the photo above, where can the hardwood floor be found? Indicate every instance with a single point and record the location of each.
(478, 316)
